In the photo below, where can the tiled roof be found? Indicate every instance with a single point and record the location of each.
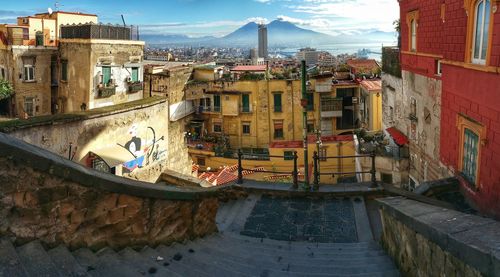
(372, 85)
(249, 68)
(362, 63)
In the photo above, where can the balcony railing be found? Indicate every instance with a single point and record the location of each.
(245, 109)
(134, 87)
(331, 107)
(209, 109)
(390, 61)
(105, 92)
(99, 31)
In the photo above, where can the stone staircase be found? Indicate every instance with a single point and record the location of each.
(227, 253)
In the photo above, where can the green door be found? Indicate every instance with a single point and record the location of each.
(106, 75)
(277, 103)
(245, 103)
(216, 103)
(135, 74)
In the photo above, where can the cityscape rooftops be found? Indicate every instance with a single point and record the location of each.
(253, 68)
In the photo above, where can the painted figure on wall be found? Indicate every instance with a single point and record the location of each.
(145, 150)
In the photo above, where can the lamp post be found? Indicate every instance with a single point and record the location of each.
(304, 124)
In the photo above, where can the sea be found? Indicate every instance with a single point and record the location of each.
(370, 50)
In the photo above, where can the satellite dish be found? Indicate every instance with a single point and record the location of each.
(50, 11)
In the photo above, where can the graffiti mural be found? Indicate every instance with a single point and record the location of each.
(146, 150)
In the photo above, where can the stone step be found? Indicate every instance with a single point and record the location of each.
(168, 261)
(36, 261)
(333, 251)
(111, 264)
(274, 262)
(302, 258)
(65, 263)
(214, 266)
(88, 260)
(299, 244)
(238, 223)
(10, 264)
(235, 208)
(150, 264)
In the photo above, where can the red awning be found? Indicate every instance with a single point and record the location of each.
(398, 137)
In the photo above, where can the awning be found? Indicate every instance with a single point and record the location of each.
(398, 137)
(114, 155)
(181, 109)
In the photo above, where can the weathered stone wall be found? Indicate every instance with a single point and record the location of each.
(111, 129)
(45, 197)
(426, 240)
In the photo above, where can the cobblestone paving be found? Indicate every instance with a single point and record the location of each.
(302, 219)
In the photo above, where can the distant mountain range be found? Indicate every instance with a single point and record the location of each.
(280, 34)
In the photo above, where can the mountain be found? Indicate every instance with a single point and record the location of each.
(280, 33)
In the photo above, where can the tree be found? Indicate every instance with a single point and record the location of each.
(6, 89)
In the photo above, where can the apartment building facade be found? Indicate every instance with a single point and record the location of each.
(451, 59)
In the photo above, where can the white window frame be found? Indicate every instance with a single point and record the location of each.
(485, 12)
(413, 46)
(27, 77)
(26, 110)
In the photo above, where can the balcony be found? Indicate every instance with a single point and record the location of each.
(209, 109)
(331, 107)
(390, 61)
(134, 87)
(99, 31)
(106, 91)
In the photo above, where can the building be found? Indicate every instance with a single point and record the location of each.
(450, 60)
(263, 41)
(310, 55)
(62, 62)
(371, 104)
(363, 67)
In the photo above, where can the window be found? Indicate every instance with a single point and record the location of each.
(413, 108)
(278, 129)
(29, 73)
(64, 70)
(310, 127)
(323, 154)
(310, 101)
(217, 127)
(106, 75)
(205, 104)
(216, 103)
(135, 74)
(412, 21)
(245, 103)
(386, 178)
(277, 103)
(246, 128)
(28, 105)
(438, 67)
(481, 27)
(3, 74)
(201, 161)
(470, 155)
(288, 155)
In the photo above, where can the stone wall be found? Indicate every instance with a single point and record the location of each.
(426, 240)
(45, 197)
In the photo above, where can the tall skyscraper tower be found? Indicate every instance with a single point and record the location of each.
(262, 41)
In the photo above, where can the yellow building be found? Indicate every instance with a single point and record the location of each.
(371, 101)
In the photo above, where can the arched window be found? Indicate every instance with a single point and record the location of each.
(413, 35)
(481, 27)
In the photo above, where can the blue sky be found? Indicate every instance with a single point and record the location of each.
(220, 17)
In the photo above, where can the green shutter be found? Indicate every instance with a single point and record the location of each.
(217, 103)
(277, 102)
(135, 74)
(310, 101)
(245, 99)
(106, 74)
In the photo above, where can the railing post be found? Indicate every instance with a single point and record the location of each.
(240, 168)
(373, 171)
(316, 171)
(295, 171)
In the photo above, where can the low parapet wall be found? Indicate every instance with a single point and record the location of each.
(46, 197)
(426, 240)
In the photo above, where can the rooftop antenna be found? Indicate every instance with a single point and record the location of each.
(57, 5)
(123, 19)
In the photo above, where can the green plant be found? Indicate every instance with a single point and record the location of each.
(6, 89)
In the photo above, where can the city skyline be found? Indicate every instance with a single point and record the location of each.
(218, 18)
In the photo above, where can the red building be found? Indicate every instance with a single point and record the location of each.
(458, 43)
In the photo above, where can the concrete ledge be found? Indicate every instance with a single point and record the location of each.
(178, 179)
(45, 161)
(473, 240)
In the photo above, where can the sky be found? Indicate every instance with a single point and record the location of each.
(219, 17)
